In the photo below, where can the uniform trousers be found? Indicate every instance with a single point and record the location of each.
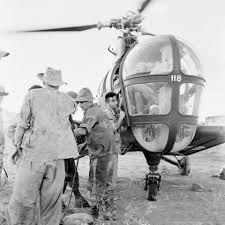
(102, 179)
(38, 185)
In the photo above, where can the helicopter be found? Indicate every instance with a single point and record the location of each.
(160, 83)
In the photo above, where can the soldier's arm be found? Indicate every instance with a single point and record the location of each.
(116, 125)
(89, 121)
(24, 121)
(120, 120)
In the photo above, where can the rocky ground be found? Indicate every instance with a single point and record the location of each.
(176, 204)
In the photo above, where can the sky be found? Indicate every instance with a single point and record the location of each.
(83, 56)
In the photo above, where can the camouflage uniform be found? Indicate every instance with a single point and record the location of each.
(45, 135)
(102, 152)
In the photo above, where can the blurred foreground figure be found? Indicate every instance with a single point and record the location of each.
(44, 134)
(2, 138)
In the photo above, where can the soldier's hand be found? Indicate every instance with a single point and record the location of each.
(122, 114)
(82, 149)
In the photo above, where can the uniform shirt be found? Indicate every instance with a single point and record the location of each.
(113, 119)
(44, 131)
(100, 135)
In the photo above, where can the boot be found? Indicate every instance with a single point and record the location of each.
(107, 212)
(110, 205)
(81, 202)
(95, 211)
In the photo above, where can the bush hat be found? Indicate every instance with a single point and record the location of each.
(84, 95)
(52, 77)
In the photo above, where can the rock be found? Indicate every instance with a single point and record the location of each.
(78, 219)
(222, 174)
(196, 187)
(211, 189)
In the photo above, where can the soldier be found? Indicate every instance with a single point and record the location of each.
(116, 117)
(44, 133)
(71, 169)
(101, 149)
(12, 129)
(2, 138)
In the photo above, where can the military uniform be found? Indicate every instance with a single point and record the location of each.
(2, 137)
(113, 118)
(101, 149)
(45, 135)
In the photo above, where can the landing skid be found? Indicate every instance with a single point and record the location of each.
(153, 178)
(183, 164)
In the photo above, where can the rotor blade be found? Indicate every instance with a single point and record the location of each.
(143, 6)
(64, 29)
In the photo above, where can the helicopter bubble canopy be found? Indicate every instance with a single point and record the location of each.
(162, 110)
(154, 55)
(189, 61)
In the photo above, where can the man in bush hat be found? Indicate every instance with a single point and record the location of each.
(44, 133)
(3, 93)
(101, 149)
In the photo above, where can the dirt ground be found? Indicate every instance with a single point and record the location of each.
(176, 204)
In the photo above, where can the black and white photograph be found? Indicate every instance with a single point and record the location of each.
(112, 112)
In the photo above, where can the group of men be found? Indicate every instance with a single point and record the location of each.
(45, 138)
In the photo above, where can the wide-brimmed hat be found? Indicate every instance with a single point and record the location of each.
(3, 54)
(72, 94)
(2, 91)
(52, 77)
(84, 95)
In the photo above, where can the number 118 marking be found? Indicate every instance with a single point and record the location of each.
(176, 78)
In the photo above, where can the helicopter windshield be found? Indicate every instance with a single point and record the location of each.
(151, 55)
(190, 64)
(184, 137)
(189, 99)
(153, 137)
(149, 98)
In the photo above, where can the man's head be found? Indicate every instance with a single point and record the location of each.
(52, 78)
(2, 93)
(111, 100)
(85, 98)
